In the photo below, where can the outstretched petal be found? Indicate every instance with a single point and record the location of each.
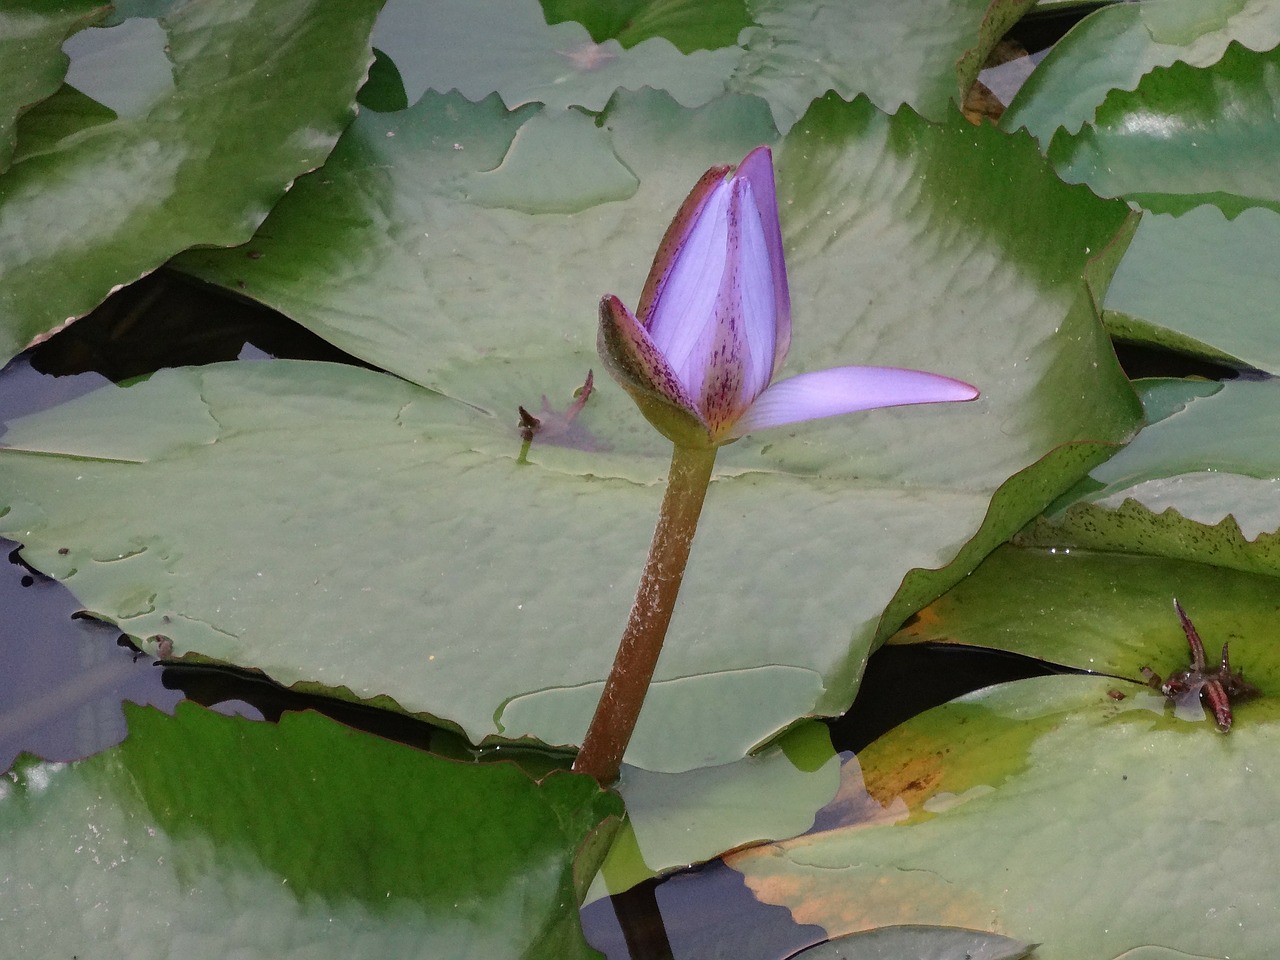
(829, 393)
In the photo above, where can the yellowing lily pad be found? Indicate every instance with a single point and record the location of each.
(1047, 811)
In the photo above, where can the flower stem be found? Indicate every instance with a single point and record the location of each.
(624, 691)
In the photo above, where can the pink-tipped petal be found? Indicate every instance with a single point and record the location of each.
(829, 393)
(756, 169)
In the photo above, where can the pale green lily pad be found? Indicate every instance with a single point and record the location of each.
(1203, 284)
(31, 37)
(212, 836)
(259, 95)
(689, 24)
(1185, 137)
(1200, 484)
(480, 47)
(464, 555)
(918, 942)
(677, 819)
(1116, 46)
(790, 52)
(1107, 613)
(1047, 811)
(923, 53)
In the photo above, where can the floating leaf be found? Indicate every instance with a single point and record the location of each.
(674, 820)
(790, 52)
(1106, 613)
(259, 95)
(31, 37)
(1202, 284)
(1198, 485)
(1048, 811)
(489, 594)
(1184, 137)
(1116, 46)
(211, 835)
(918, 942)
(925, 54)
(689, 24)
(481, 47)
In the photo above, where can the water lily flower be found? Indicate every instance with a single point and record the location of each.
(714, 325)
(713, 329)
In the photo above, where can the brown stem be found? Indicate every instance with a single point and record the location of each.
(624, 691)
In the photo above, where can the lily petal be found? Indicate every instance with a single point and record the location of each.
(635, 362)
(735, 353)
(829, 393)
(682, 315)
(673, 240)
(756, 169)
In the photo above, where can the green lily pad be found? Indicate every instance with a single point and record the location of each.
(1199, 485)
(918, 942)
(790, 52)
(481, 47)
(1184, 137)
(1107, 613)
(259, 95)
(700, 25)
(1047, 811)
(907, 248)
(1115, 47)
(1202, 284)
(925, 54)
(306, 836)
(31, 37)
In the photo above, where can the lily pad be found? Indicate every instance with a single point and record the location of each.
(995, 786)
(1199, 485)
(701, 25)
(481, 47)
(1106, 613)
(1116, 46)
(790, 52)
(259, 95)
(925, 53)
(120, 857)
(948, 248)
(918, 942)
(1202, 284)
(31, 37)
(1184, 137)
(678, 819)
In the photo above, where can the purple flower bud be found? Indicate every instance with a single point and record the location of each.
(714, 326)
